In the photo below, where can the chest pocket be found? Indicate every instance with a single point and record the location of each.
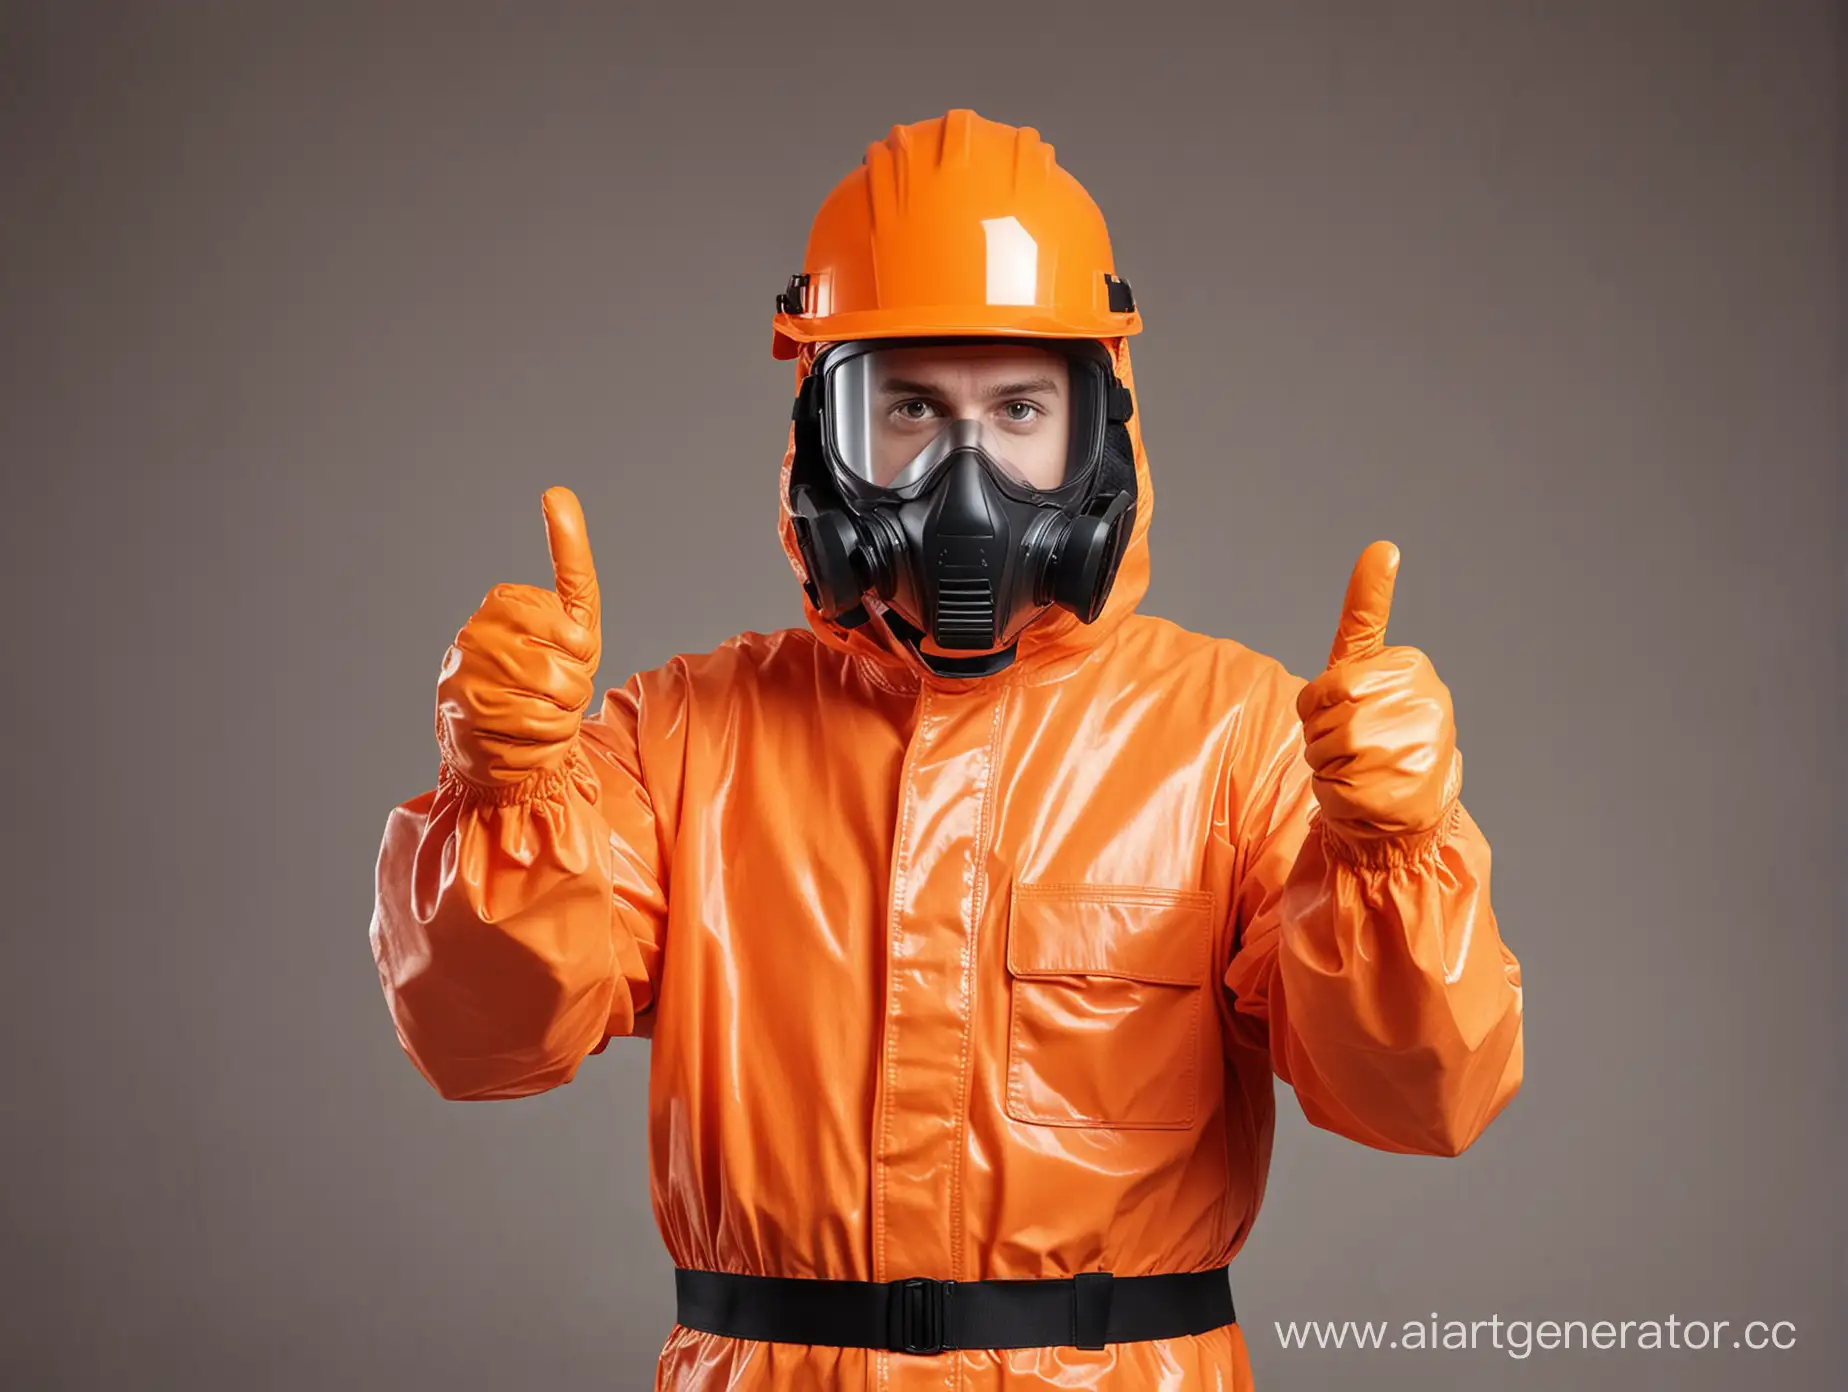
(1107, 996)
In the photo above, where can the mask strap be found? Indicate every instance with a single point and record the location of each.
(980, 665)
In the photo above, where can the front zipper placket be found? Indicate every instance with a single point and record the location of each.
(938, 892)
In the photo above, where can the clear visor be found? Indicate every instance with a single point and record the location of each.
(894, 414)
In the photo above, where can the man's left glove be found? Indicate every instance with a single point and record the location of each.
(1378, 729)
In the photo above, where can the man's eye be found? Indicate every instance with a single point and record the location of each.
(916, 409)
(1020, 412)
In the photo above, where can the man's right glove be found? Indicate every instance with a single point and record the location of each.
(521, 673)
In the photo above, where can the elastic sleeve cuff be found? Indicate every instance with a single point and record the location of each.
(1412, 851)
(547, 785)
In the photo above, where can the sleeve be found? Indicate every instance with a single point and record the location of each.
(517, 930)
(1376, 972)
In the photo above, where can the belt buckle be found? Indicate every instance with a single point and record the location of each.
(921, 1322)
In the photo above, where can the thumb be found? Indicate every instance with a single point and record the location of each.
(1362, 631)
(574, 573)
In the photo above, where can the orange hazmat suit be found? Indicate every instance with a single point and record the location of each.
(950, 977)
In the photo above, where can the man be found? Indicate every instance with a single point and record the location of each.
(970, 922)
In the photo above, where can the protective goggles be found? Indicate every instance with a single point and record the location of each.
(893, 412)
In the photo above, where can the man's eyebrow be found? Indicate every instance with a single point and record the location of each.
(1024, 386)
(1020, 388)
(910, 388)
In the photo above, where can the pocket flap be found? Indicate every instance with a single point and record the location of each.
(1130, 931)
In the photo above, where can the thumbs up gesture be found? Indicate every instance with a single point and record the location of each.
(1378, 729)
(516, 682)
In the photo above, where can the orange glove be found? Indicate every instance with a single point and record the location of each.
(1378, 729)
(517, 680)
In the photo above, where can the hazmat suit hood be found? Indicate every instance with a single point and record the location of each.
(1056, 637)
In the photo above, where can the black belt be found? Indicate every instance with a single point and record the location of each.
(925, 1315)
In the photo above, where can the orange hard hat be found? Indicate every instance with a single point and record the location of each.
(956, 225)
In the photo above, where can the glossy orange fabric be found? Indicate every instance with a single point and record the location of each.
(959, 978)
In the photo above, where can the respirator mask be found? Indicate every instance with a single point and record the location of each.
(965, 484)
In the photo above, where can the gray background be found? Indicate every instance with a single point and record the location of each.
(304, 306)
